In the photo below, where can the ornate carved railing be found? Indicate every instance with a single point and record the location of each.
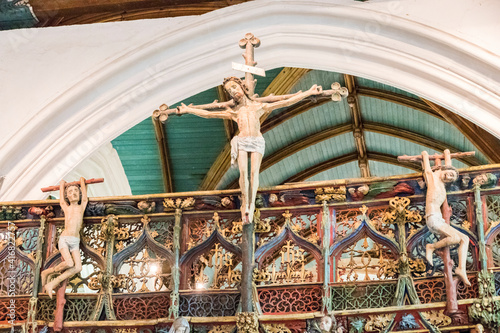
(322, 246)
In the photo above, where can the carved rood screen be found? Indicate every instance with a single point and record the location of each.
(173, 256)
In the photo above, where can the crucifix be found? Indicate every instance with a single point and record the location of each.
(435, 202)
(248, 110)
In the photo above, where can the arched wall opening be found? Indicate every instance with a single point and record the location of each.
(196, 54)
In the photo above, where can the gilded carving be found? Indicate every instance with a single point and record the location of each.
(222, 329)
(247, 322)
(171, 204)
(378, 322)
(330, 194)
(276, 328)
(437, 318)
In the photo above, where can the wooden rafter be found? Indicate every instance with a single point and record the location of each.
(161, 140)
(351, 157)
(357, 125)
(416, 138)
(280, 85)
(403, 100)
(485, 142)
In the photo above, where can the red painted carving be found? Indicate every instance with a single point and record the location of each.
(290, 300)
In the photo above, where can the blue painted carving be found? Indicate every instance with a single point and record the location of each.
(16, 14)
(408, 322)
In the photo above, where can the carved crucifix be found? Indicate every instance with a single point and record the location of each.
(436, 206)
(247, 110)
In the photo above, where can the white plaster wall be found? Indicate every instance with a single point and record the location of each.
(66, 91)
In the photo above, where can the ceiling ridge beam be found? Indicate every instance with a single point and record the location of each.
(357, 125)
(281, 84)
(166, 169)
(418, 139)
(485, 142)
(400, 99)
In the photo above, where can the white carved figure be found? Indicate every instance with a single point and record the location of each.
(73, 200)
(249, 142)
(436, 196)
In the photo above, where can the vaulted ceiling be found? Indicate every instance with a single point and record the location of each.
(314, 140)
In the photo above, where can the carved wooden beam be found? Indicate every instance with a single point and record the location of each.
(485, 142)
(417, 138)
(281, 84)
(357, 125)
(161, 140)
(403, 100)
(68, 12)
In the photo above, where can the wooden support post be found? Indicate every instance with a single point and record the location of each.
(107, 287)
(457, 316)
(60, 301)
(247, 249)
(325, 226)
(174, 296)
(31, 323)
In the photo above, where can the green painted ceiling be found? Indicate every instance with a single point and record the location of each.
(195, 143)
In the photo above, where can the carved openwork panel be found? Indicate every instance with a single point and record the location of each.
(459, 216)
(75, 309)
(216, 268)
(143, 271)
(288, 263)
(276, 222)
(361, 296)
(497, 283)
(200, 229)
(346, 221)
(306, 225)
(209, 304)
(376, 217)
(163, 232)
(494, 245)
(493, 207)
(29, 238)
(94, 237)
(433, 290)
(366, 260)
(20, 308)
(127, 233)
(139, 307)
(417, 253)
(412, 227)
(82, 283)
(292, 299)
(16, 273)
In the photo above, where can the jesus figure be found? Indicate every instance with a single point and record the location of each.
(247, 114)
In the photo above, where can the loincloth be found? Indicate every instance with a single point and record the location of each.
(248, 144)
(435, 222)
(69, 242)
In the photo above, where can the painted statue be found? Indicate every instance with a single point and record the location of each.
(325, 324)
(436, 196)
(249, 143)
(73, 200)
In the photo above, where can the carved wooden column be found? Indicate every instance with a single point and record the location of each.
(174, 296)
(31, 322)
(325, 227)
